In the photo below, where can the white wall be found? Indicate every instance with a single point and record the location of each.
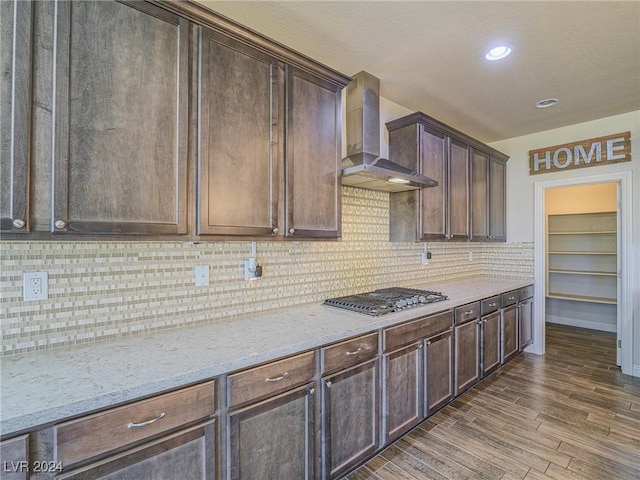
(520, 187)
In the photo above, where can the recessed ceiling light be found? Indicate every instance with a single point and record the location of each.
(497, 53)
(547, 102)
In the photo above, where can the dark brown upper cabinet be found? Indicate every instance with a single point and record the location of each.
(120, 125)
(467, 204)
(487, 197)
(240, 123)
(16, 34)
(162, 120)
(313, 149)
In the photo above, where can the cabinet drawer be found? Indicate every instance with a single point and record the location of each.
(467, 312)
(509, 298)
(351, 352)
(489, 305)
(406, 333)
(271, 378)
(102, 432)
(525, 292)
(14, 454)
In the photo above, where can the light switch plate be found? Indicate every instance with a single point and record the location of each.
(202, 275)
(35, 286)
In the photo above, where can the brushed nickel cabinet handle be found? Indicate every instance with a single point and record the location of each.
(329, 384)
(60, 224)
(277, 379)
(511, 298)
(468, 312)
(275, 230)
(18, 223)
(312, 391)
(292, 230)
(420, 346)
(160, 416)
(493, 304)
(354, 352)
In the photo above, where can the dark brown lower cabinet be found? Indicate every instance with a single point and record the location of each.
(14, 455)
(274, 438)
(439, 370)
(525, 323)
(404, 387)
(509, 333)
(490, 340)
(350, 405)
(189, 454)
(466, 355)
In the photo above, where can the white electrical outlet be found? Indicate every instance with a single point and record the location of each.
(202, 275)
(35, 286)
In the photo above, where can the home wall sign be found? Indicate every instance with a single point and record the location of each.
(586, 153)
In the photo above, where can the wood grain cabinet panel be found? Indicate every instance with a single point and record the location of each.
(439, 371)
(525, 323)
(16, 34)
(509, 333)
(490, 340)
(466, 355)
(270, 379)
(240, 90)
(274, 438)
(412, 331)
(120, 128)
(189, 453)
(458, 191)
(313, 149)
(14, 458)
(403, 396)
(346, 354)
(497, 199)
(350, 417)
(76, 441)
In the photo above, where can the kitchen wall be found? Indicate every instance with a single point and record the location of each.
(520, 188)
(100, 290)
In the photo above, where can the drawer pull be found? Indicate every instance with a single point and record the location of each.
(511, 298)
(355, 352)
(493, 304)
(148, 422)
(468, 312)
(276, 379)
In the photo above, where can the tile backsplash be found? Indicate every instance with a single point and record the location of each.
(101, 290)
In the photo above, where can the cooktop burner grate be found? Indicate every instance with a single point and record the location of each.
(385, 300)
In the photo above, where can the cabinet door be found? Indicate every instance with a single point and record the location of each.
(525, 323)
(239, 125)
(186, 454)
(479, 196)
(467, 355)
(15, 457)
(439, 371)
(15, 111)
(313, 156)
(403, 390)
(120, 129)
(350, 418)
(490, 335)
(458, 195)
(497, 195)
(433, 158)
(509, 333)
(274, 438)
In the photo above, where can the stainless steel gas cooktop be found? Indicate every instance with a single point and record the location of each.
(386, 300)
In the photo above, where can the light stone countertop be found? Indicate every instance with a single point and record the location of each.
(44, 387)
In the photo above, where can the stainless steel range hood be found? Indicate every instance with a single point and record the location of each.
(363, 167)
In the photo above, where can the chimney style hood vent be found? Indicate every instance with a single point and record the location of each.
(363, 167)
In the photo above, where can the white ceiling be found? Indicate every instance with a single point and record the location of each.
(429, 55)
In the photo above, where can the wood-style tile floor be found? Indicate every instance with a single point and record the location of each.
(569, 414)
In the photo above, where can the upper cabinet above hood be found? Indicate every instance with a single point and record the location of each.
(363, 167)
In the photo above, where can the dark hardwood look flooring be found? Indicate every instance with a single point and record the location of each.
(567, 415)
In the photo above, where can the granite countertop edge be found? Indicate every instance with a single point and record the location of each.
(41, 388)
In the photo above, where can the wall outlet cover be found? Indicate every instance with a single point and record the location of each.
(35, 286)
(202, 275)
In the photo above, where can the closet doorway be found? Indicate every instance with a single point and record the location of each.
(582, 258)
